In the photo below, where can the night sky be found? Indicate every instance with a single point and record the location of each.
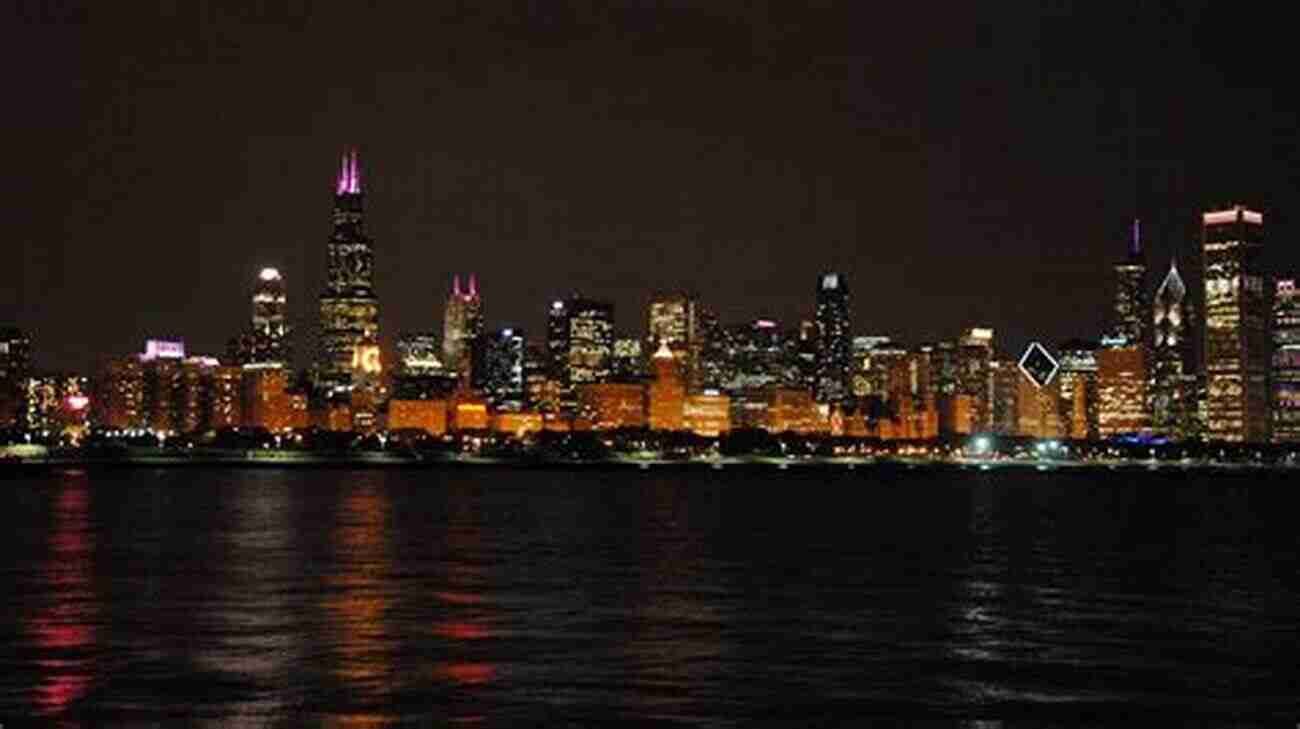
(964, 164)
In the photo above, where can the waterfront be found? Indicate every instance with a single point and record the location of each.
(273, 597)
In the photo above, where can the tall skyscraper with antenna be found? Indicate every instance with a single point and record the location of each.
(349, 309)
(462, 331)
(1132, 311)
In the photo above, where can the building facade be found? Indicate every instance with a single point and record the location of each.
(349, 308)
(1238, 317)
(1286, 362)
(834, 339)
(462, 333)
(1131, 303)
(1169, 341)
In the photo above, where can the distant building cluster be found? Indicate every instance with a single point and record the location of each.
(1226, 370)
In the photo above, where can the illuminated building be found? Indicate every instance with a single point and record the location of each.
(707, 413)
(975, 377)
(1121, 391)
(518, 425)
(1038, 394)
(557, 394)
(56, 403)
(957, 414)
(580, 345)
(504, 364)
(755, 357)
(1037, 415)
(1006, 388)
(420, 373)
(469, 412)
(674, 318)
(792, 410)
(1169, 400)
(666, 393)
(610, 405)
(834, 341)
(1238, 316)
(801, 353)
(226, 398)
(1286, 362)
(535, 380)
(270, 332)
(332, 415)
(1131, 308)
(15, 365)
(119, 394)
(591, 340)
(872, 363)
(265, 401)
(462, 332)
(1077, 386)
(349, 309)
(628, 361)
(163, 400)
(427, 415)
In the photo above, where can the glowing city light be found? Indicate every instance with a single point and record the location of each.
(269, 274)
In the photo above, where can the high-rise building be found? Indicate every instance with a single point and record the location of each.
(1077, 386)
(1122, 391)
(1006, 388)
(975, 375)
(420, 374)
(270, 332)
(674, 318)
(1169, 401)
(834, 338)
(118, 401)
(462, 333)
(349, 308)
(590, 340)
(1238, 317)
(1131, 309)
(628, 361)
(504, 363)
(666, 393)
(55, 404)
(1286, 362)
(15, 366)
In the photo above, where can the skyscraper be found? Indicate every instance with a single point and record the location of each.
(1286, 362)
(462, 332)
(15, 365)
(1238, 315)
(1131, 310)
(591, 340)
(834, 339)
(975, 375)
(270, 333)
(349, 309)
(674, 319)
(504, 364)
(1168, 362)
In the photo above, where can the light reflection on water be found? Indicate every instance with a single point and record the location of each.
(370, 599)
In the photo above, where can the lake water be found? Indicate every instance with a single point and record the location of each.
(498, 597)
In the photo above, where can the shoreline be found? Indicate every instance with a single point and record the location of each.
(378, 461)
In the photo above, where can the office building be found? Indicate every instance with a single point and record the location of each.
(666, 393)
(1122, 391)
(1238, 318)
(834, 339)
(349, 308)
(504, 354)
(462, 333)
(1286, 362)
(1130, 314)
(1169, 400)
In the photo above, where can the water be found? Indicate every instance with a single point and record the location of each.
(245, 598)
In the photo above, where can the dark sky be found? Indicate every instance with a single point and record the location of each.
(963, 165)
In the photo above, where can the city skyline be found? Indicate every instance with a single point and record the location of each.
(916, 167)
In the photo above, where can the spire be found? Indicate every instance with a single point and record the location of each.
(473, 287)
(356, 174)
(1172, 288)
(341, 184)
(1135, 247)
(455, 285)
